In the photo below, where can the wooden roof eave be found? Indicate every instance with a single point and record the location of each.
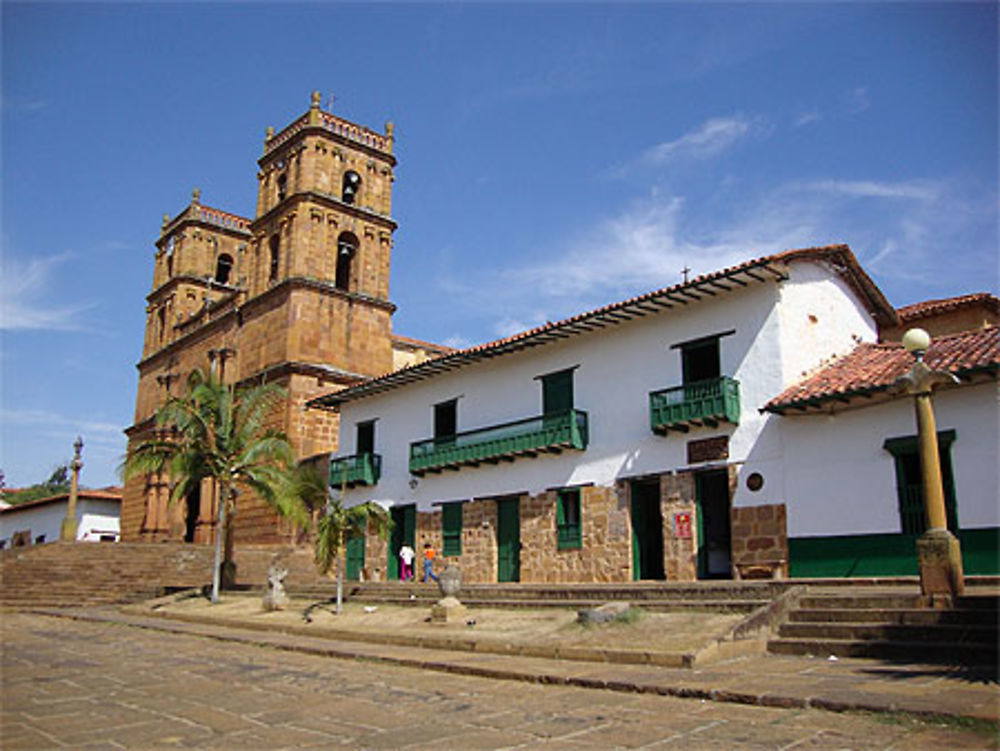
(612, 315)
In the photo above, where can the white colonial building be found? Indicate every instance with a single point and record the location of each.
(40, 521)
(649, 439)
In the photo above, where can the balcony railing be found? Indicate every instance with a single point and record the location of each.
(357, 469)
(535, 435)
(706, 402)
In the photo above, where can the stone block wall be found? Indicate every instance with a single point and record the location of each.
(680, 551)
(760, 541)
(605, 555)
(479, 543)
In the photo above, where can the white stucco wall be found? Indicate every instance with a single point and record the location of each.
(820, 318)
(615, 369)
(836, 478)
(94, 517)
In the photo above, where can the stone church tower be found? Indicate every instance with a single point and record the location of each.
(299, 296)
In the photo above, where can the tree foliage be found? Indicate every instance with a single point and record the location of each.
(215, 432)
(337, 524)
(57, 484)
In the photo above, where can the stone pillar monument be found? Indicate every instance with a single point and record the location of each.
(69, 525)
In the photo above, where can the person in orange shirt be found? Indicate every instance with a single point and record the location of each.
(429, 555)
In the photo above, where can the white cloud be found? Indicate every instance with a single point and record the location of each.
(898, 230)
(24, 106)
(38, 417)
(921, 190)
(806, 118)
(26, 302)
(711, 138)
(457, 342)
(857, 100)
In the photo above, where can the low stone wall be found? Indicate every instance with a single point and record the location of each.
(760, 541)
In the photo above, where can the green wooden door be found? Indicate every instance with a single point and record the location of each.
(714, 538)
(404, 531)
(647, 531)
(355, 557)
(508, 541)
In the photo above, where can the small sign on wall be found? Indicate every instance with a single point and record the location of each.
(682, 525)
(708, 449)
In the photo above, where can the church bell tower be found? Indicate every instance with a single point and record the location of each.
(298, 295)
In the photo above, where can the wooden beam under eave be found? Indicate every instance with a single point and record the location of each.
(659, 302)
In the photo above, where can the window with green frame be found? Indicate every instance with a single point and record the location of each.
(568, 528)
(910, 485)
(451, 529)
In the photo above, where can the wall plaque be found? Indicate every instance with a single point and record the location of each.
(682, 525)
(708, 449)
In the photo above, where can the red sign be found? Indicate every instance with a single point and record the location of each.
(682, 525)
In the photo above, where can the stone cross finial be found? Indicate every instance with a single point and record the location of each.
(685, 271)
(314, 109)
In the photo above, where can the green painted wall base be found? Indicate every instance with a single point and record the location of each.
(885, 555)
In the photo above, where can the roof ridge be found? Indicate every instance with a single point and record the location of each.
(854, 276)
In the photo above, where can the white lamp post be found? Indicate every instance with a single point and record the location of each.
(938, 551)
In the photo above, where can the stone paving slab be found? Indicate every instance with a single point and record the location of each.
(770, 680)
(210, 689)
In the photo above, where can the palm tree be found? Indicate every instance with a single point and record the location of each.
(337, 524)
(219, 433)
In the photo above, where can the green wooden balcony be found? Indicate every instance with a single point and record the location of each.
(695, 404)
(535, 435)
(357, 469)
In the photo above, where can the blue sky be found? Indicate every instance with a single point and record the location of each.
(552, 158)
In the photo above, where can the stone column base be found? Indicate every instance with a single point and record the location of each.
(940, 558)
(447, 610)
(67, 532)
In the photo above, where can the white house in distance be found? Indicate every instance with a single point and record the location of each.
(40, 521)
(654, 438)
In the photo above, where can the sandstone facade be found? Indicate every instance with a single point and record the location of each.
(298, 296)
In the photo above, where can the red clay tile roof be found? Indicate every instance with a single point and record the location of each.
(872, 368)
(934, 307)
(409, 341)
(763, 269)
(105, 494)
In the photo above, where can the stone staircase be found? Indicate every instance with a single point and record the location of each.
(741, 597)
(74, 574)
(891, 624)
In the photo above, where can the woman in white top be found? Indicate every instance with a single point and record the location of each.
(406, 556)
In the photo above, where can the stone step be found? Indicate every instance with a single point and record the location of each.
(977, 654)
(901, 616)
(890, 601)
(717, 606)
(551, 594)
(950, 634)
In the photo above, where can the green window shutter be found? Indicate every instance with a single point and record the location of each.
(910, 486)
(568, 528)
(451, 529)
(557, 393)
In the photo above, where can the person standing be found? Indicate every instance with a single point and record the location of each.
(406, 556)
(429, 555)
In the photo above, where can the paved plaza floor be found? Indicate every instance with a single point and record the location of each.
(104, 685)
